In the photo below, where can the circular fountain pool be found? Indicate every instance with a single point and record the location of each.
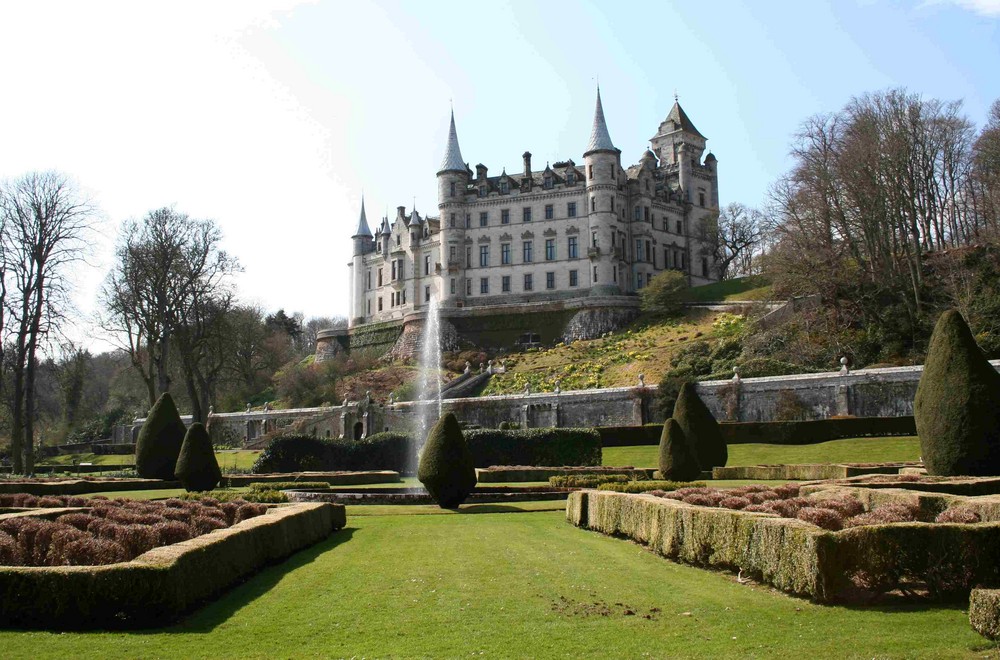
(484, 495)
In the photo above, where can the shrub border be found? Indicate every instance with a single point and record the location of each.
(332, 478)
(514, 474)
(804, 471)
(164, 582)
(83, 486)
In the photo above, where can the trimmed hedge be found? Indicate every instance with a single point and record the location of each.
(159, 441)
(498, 474)
(774, 433)
(197, 468)
(587, 480)
(647, 486)
(948, 559)
(446, 468)
(258, 486)
(677, 459)
(700, 431)
(328, 478)
(984, 612)
(550, 447)
(164, 582)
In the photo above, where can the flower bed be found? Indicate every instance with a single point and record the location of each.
(331, 478)
(163, 582)
(109, 531)
(876, 554)
(807, 471)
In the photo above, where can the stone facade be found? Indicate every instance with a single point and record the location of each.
(863, 393)
(566, 232)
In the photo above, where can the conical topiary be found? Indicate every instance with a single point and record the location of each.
(700, 428)
(678, 461)
(446, 468)
(159, 441)
(197, 468)
(957, 407)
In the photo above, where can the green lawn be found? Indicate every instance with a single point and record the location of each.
(754, 287)
(228, 458)
(509, 585)
(849, 450)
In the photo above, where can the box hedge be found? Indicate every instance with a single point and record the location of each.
(984, 612)
(390, 451)
(648, 486)
(164, 582)
(947, 559)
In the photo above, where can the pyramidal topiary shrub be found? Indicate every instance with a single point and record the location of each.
(700, 428)
(159, 441)
(197, 468)
(678, 461)
(957, 407)
(446, 468)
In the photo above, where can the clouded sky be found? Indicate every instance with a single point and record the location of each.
(272, 117)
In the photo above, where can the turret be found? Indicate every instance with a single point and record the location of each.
(675, 130)
(453, 182)
(713, 166)
(363, 244)
(602, 161)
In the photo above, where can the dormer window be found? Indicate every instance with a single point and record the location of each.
(482, 191)
(547, 184)
(504, 188)
(570, 179)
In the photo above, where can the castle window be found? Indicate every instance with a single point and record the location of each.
(404, 297)
(380, 277)
(398, 238)
(380, 304)
(571, 250)
(590, 171)
(393, 270)
(505, 253)
(547, 183)
(505, 217)
(548, 212)
(504, 187)
(505, 284)
(452, 289)
(701, 198)
(649, 252)
(680, 226)
(484, 285)
(468, 220)
(646, 218)
(484, 256)
(593, 204)
(595, 274)
(638, 280)
(613, 205)
(571, 209)
(484, 218)
(573, 278)
(451, 253)
(638, 249)
(528, 283)
(526, 214)
(637, 212)
(369, 307)
(451, 189)
(451, 220)
(468, 287)
(527, 252)
(482, 191)
(550, 249)
(468, 257)
(427, 264)
(593, 239)
(369, 278)
(570, 179)
(550, 280)
(666, 257)
(704, 267)
(427, 294)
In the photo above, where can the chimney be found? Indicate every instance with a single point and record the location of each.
(527, 163)
(400, 211)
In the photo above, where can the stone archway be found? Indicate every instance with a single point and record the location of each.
(359, 430)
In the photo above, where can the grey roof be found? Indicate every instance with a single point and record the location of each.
(682, 121)
(415, 217)
(599, 138)
(362, 229)
(452, 161)
(385, 228)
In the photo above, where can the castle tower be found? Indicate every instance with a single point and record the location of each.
(602, 161)
(363, 243)
(678, 143)
(453, 179)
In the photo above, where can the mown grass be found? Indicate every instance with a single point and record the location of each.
(502, 585)
(242, 459)
(848, 450)
(755, 287)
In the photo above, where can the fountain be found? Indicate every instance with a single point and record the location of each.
(429, 395)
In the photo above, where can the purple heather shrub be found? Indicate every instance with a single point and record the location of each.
(172, 531)
(92, 551)
(734, 502)
(758, 508)
(10, 553)
(825, 518)
(248, 510)
(845, 506)
(60, 539)
(50, 502)
(958, 514)
(786, 491)
(886, 514)
(136, 539)
(699, 499)
(761, 496)
(206, 524)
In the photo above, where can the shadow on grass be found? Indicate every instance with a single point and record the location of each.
(211, 614)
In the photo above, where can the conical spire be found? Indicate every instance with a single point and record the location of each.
(363, 229)
(681, 121)
(599, 138)
(453, 161)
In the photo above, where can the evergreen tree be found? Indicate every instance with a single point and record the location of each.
(700, 428)
(160, 440)
(957, 406)
(446, 468)
(678, 461)
(197, 468)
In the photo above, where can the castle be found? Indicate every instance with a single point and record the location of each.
(558, 253)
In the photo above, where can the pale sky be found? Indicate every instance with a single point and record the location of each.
(272, 116)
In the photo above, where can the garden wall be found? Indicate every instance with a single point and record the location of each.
(862, 393)
(164, 582)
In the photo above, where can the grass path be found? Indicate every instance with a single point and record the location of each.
(850, 450)
(509, 585)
